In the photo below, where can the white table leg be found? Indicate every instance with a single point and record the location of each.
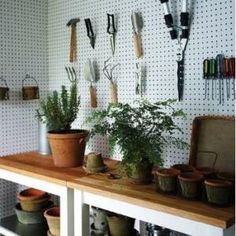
(81, 214)
(67, 212)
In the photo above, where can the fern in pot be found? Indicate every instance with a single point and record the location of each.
(141, 132)
(61, 109)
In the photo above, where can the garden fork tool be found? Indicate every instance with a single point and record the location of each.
(71, 74)
(181, 39)
(72, 23)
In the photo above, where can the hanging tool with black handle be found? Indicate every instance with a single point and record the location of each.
(212, 75)
(206, 74)
(90, 32)
(232, 73)
(219, 73)
(181, 35)
(111, 30)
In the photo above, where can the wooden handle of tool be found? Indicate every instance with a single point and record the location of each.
(114, 95)
(137, 45)
(93, 96)
(73, 44)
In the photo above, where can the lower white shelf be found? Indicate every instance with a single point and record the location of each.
(10, 226)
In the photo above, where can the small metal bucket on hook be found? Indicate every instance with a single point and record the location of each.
(4, 91)
(30, 92)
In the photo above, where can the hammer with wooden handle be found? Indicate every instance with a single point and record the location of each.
(72, 23)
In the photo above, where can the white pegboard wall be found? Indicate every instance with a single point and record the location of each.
(212, 32)
(23, 49)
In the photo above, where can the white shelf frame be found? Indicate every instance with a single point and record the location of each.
(66, 199)
(83, 199)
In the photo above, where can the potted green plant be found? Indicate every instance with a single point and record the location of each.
(140, 132)
(60, 110)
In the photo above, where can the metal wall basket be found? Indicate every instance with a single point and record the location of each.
(4, 91)
(30, 92)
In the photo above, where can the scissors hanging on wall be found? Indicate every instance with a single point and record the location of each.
(179, 34)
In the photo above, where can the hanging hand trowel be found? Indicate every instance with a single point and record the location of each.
(137, 24)
(89, 75)
(73, 47)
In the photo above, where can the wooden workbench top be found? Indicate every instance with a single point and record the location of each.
(146, 196)
(33, 164)
(37, 166)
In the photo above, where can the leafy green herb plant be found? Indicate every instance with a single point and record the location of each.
(140, 131)
(60, 108)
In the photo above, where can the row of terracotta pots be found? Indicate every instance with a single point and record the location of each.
(196, 183)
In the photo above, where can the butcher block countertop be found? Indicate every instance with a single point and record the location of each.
(37, 166)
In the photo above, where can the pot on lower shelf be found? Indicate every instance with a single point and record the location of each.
(120, 225)
(207, 172)
(166, 180)
(26, 217)
(140, 173)
(68, 147)
(52, 216)
(191, 185)
(218, 191)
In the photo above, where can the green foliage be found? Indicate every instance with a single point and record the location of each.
(60, 109)
(140, 131)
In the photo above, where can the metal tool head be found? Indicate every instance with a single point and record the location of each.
(137, 21)
(73, 21)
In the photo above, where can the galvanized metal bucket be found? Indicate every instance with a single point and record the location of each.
(43, 144)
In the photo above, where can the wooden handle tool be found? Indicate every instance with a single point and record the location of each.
(93, 96)
(73, 44)
(137, 45)
(114, 96)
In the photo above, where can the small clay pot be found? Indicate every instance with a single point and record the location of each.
(120, 225)
(166, 180)
(183, 168)
(31, 194)
(190, 184)
(35, 205)
(52, 216)
(218, 191)
(207, 172)
(140, 173)
(94, 163)
(26, 217)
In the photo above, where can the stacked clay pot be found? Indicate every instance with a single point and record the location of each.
(31, 206)
(52, 216)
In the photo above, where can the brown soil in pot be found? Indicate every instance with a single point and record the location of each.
(31, 194)
(183, 168)
(207, 172)
(68, 147)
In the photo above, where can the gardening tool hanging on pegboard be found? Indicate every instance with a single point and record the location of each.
(73, 44)
(180, 34)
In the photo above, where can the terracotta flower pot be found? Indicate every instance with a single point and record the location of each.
(166, 180)
(35, 205)
(26, 217)
(68, 147)
(183, 168)
(207, 172)
(120, 225)
(190, 184)
(31, 194)
(218, 191)
(52, 216)
(140, 173)
(94, 163)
